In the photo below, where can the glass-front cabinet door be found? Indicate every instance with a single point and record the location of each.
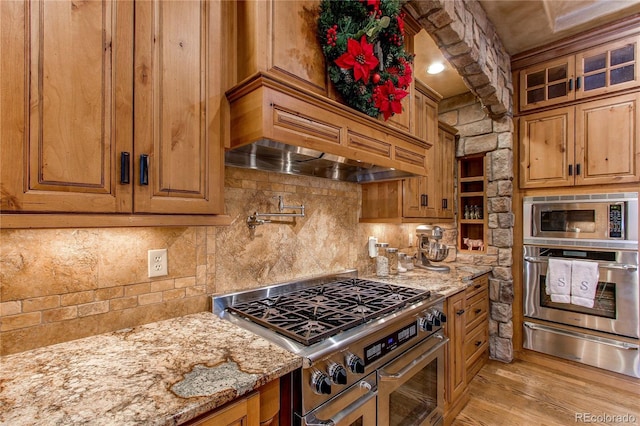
(607, 68)
(546, 84)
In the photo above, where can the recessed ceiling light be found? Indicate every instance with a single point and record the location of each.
(435, 68)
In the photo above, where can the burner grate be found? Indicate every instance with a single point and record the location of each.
(316, 313)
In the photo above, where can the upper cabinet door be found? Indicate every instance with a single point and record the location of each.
(548, 83)
(547, 148)
(607, 68)
(178, 99)
(607, 142)
(66, 105)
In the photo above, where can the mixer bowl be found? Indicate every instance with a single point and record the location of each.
(436, 252)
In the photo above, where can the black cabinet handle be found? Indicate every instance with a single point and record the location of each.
(477, 311)
(578, 83)
(124, 167)
(578, 169)
(144, 169)
(478, 343)
(424, 200)
(477, 286)
(445, 203)
(570, 84)
(570, 169)
(460, 312)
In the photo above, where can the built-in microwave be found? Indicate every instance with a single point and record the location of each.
(586, 219)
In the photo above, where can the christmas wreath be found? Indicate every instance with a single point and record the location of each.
(363, 44)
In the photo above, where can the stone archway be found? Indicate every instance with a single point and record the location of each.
(470, 43)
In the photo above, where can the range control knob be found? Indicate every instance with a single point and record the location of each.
(355, 364)
(338, 374)
(436, 313)
(428, 322)
(320, 383)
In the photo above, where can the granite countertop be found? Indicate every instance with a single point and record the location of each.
(163, 373)
(446, 283)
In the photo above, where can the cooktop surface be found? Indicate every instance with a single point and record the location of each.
(315, 313)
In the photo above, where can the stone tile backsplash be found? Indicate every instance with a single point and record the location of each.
(63, 284)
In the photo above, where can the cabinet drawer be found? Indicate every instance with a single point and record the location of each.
(476, 311)
(476, 344)
(480, 285)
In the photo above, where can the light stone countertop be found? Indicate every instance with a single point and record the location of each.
(446, 283)
(163, 373)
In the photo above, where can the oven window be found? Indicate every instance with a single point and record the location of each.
(604, 304)
(565, 220)
(416, 399)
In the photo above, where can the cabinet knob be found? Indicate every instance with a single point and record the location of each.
(477, 311)
(460, 312)
(478, 343)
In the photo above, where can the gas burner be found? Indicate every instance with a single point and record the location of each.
(312, 326)
(361, 309)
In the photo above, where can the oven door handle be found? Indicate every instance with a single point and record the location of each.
(406, 369)
(622, 266)
(596, 339)
(311, 420)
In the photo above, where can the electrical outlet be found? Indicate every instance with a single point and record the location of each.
(158, 263)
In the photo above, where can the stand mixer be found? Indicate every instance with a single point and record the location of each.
(430, 249)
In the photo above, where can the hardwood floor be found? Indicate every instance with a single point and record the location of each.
(524, 393)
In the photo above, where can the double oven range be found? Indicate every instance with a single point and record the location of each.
(373, 353)
(598, 228)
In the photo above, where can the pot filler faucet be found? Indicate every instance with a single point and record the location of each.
(254, 220)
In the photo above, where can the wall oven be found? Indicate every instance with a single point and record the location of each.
(605, 331)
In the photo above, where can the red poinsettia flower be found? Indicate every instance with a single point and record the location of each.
(387, 99)
(404, 77)
(360, 57)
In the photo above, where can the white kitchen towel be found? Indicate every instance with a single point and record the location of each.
(559, 280)
(584, 282)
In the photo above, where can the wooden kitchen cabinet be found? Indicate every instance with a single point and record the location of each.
(101, 94)
(591, 143)
(260, 407)
(467, 327)
(432, 196)
(242, 412)
(417, 198)
(596, 71)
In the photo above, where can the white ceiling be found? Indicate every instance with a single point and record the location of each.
(523, 25)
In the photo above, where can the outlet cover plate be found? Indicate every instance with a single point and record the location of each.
(158, 263)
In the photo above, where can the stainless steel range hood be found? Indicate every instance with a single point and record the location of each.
(273, 156)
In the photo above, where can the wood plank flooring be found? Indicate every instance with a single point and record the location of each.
(523, 393)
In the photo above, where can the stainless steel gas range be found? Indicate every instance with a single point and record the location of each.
(373, 353)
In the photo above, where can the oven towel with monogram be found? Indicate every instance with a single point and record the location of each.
(559, 280)
(584, 281)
